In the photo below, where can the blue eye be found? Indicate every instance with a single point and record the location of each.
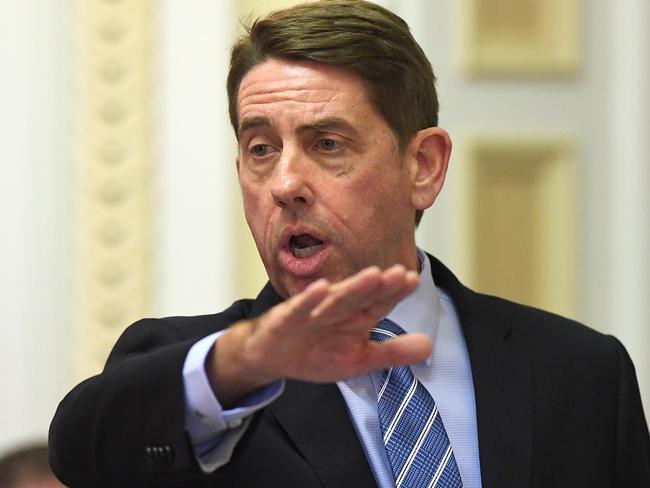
(260, 149)
(328, 144)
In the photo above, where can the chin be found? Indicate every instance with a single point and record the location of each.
(298, 285)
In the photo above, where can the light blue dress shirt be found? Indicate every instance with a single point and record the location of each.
(446, 374)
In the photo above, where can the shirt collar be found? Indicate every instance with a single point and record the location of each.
(421, 310)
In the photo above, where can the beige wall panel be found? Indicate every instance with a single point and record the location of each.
(520, 37)
(112, 131)
(505, 212)
(519, 220)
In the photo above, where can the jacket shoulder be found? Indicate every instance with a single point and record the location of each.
(545, 333)
(149, 333)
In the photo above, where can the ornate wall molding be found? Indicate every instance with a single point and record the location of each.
(114, 172)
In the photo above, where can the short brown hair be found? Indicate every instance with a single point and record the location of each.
(355, 35)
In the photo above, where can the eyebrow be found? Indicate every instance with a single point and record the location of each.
(325, 123)
(251, 122)
(328, 123)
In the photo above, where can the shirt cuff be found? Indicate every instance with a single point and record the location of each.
(215, 431)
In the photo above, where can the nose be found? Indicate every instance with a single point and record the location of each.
(290, 185)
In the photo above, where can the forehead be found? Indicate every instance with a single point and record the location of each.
(288, 87)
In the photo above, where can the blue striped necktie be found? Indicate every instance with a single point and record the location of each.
(417, 445)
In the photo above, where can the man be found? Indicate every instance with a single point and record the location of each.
(27, 467)
(334, 107)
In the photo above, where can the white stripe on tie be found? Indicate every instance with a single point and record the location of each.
(441, 468)
(416, 448)
(400, 411)
(383, 387)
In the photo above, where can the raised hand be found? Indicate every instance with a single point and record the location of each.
(319, 335)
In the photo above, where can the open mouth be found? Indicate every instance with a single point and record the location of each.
(304, 245)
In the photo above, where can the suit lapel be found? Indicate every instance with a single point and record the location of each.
(502, 379)
(315, 417)
(503, 389)
(266, 299)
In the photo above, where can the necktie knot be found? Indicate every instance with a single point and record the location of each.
(386, 329)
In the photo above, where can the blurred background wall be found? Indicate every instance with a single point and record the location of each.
(119, 196)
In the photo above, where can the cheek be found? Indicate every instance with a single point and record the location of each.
(253, 195)
(249, 199)
(382, 207)
(380, 193)
(359, 205)
(254, 211)
(351, 197)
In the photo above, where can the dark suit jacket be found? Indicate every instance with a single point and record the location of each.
(557, 405)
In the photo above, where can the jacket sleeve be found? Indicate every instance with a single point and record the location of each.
(125, 426)
(633, 439)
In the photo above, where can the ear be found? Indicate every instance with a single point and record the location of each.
(428, 153)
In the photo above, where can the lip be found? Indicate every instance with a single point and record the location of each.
(301, 267)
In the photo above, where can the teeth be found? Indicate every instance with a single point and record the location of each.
(305, 252)
(304, 245)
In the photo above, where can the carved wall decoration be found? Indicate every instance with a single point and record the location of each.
(521, 37)
(114, 172)
(520, 220)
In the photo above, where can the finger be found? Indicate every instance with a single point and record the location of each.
(392, 292)
(350, 295)
(399, 273)
(403, 350)
(397, 281)
(361, 301)
(300, 306)
(310, 297)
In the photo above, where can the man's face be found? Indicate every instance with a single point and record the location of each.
(325, 190)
